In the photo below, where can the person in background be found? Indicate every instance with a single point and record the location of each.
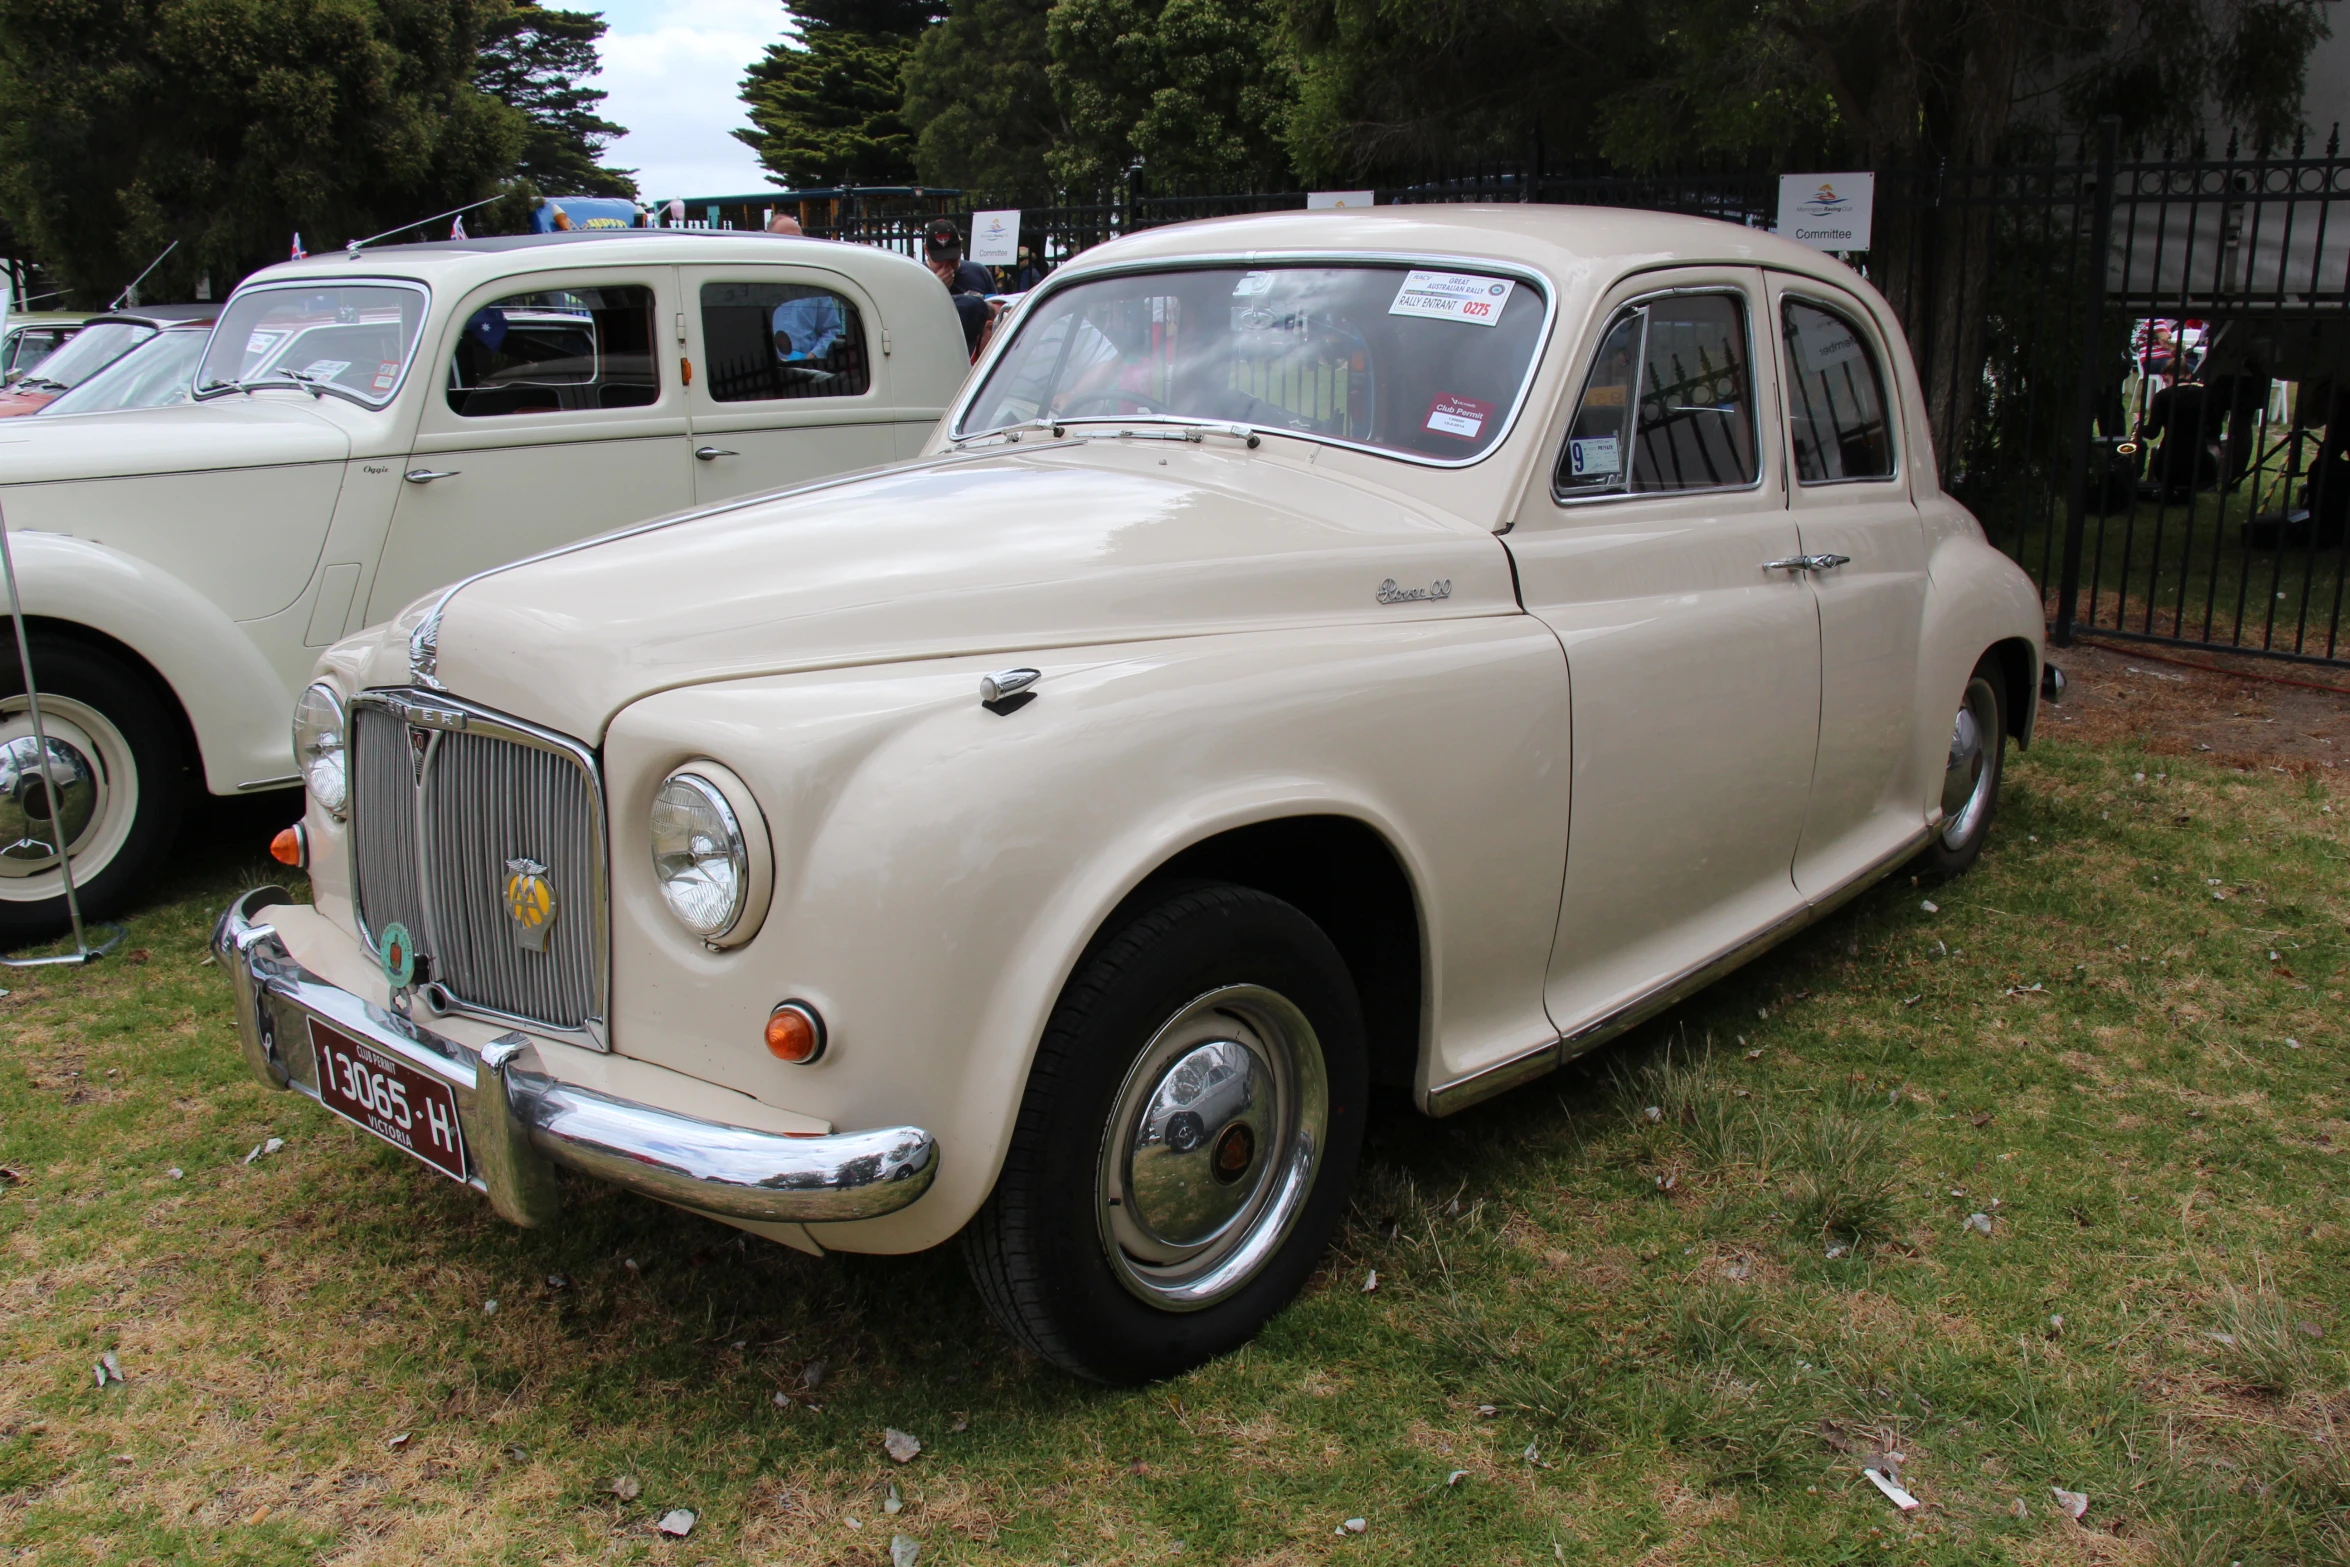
(942, 249)
(1027, 274)
(783, 223)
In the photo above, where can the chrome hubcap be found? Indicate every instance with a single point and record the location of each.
(1967, 774)
(1212, 1147)
(95, 804)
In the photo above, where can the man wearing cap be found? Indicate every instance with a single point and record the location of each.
(942, 248)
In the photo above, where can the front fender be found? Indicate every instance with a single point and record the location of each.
(940, 868)
(234, 701)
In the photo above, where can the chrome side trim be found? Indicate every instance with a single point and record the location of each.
(519, 1123)
(1463, 1092)
(289, 781)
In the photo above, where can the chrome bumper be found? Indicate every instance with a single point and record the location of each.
(518, 1123)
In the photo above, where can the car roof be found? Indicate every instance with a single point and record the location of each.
(1567, 244)
(158, 315)
(17, 318)
(465, 261)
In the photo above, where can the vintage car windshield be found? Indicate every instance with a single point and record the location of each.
(352, 338)
(1426, 362)
(157, 372)
(92, 350)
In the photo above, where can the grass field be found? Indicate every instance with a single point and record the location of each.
(1662, 1307)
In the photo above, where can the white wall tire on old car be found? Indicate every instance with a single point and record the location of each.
(1186, 1142)
(115, 758)
(1971, 773)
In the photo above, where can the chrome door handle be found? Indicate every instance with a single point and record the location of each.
(427, 475)
(1807, 563)
(713, 453)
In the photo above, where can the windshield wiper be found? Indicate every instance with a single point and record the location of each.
(1175, 427)
(314, 385)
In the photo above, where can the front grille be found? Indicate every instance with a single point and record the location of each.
(447, 800)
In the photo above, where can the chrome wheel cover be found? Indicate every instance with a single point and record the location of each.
(97, 785)
(1968, 776)
(1212, 1147)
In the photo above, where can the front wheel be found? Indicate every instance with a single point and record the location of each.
(1970, 775)
(115, 762)
(1186, 1142)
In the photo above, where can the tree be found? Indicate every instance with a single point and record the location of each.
(533, 59)
(1193, 89)
(826, 109)
(229, 124)
(979, 93)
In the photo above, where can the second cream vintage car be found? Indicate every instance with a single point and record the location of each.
(1318, 650)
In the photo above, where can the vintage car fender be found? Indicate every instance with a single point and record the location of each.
(940, 868)
(234, 701)
(1976, 599)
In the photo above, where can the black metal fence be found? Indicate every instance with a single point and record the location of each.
(2137, 367)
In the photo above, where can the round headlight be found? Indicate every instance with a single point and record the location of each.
(710, 869)
(319, 728)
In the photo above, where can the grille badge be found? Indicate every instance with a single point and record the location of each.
(530, 904)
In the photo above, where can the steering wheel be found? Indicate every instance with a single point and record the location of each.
(1083, 405)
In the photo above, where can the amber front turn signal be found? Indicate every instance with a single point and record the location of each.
(291, 847)
(795, 1033)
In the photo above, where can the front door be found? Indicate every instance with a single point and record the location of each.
(1850, 497)
(1693, 660)
(789, 385)
(554, 419)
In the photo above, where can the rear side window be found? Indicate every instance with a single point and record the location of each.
(558, 351)
(1835, 398)
(780, 340)
(1668, 404)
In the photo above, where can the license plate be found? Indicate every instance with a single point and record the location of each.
(412, 1110)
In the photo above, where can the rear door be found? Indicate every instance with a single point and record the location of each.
(788, 382)
(1849, 496)
(554, 418)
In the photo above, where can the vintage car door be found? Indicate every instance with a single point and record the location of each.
(789, 383)
(1655, 547)
(553, 418)
(1849, 491)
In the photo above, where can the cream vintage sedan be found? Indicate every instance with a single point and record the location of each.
(367, 426)
(1318, 650)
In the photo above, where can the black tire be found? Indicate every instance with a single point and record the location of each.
(94, 703)
(1958, 842)
(1040, 1251)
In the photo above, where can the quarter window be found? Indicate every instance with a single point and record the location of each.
(1669, 403)
(1835, 398)
(562, 350)
(771, 340)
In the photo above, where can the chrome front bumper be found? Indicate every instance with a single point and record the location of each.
(518, 1123)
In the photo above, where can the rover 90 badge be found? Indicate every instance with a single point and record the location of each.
(530, 903)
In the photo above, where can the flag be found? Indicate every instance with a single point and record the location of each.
(299, 252)
(457, 228)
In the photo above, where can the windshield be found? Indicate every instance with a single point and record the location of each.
(1424, 362)
(93, 348)
(161, 370)
(355, 337)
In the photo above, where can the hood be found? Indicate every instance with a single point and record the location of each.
(1103, 541)
(227, 432)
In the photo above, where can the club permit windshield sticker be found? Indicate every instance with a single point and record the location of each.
(1462, 418)
(1452, 296)
(325, 369)
(386, 372)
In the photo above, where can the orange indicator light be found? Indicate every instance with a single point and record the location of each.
(795, 1033)
(291, 847)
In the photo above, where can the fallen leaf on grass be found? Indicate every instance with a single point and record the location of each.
(2018, 1508)
(1930, 906)
(1456, 1477)
(1354, 1526)
(1371, 1282)
(108, 1369)
(2073, 1504)
(893, 1503)
(176, 1173)
(1980, 1223)
(676, 1523)
(812, 1375)
(904, 1550)
(626, 1487)
(900, 1445)
(1982, 1118)
(12, 1176)
(397, 1440)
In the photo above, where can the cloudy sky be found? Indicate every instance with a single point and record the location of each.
(673, 68)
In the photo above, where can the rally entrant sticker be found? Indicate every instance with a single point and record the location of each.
(1462, 418)
(1452, 296)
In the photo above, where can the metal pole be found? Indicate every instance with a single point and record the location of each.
(2076, 521)
(32, 697)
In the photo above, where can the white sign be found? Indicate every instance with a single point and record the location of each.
(1331, 200)
(1452, 296)
(995, 237)
(1827, 211)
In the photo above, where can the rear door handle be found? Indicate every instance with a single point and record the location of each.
(713, 453)
(427, 475)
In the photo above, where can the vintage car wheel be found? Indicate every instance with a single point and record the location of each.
(116, 758)
(1186, 1142)
(1970, 776)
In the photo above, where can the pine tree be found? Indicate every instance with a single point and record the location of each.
(534, 59)
(827, 109)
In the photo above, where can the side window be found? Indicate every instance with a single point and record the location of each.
(770, 340)
(562, 350)
(1835, 398)
(1669, 404)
